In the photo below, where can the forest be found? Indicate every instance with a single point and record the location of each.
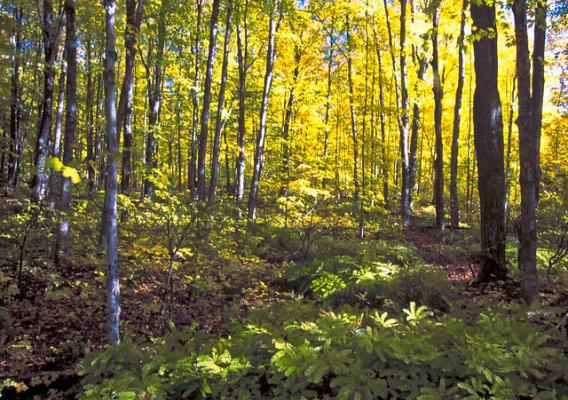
(284, 199)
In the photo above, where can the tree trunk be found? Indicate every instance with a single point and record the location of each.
(488, 133)
(70, 132)
(202, 151)
(413, 165)
(328, 98)
(154, 101)
(192, 170)
(384, 161)
(51, 34)
(509, 146)
(133, 21)
(261, 136)
(89, 122)
(220, 106)
(56, 146)
(14, 160)
(353, 116)
(529, 122)
(242, 54)
(454, 204)
(288, 118)
(111, 187)
(405, 188)
(438, 95)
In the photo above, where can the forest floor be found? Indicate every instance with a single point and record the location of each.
(51, 317)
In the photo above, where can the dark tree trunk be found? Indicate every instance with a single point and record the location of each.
(438, 95)
(90, 102)
(413, 165)
(454, 204)
(220, 106)
(51, 34)
(529, 122)
(203, 134)
(111, 184)
(154, 102)
(488, 132)
(133, 21)
(64, 203)
(14, 160)
(273, 26)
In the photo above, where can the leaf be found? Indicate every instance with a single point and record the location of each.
(54, 163)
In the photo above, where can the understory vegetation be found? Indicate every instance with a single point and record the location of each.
(262, 311)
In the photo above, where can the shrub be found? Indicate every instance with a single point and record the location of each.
(343, 355)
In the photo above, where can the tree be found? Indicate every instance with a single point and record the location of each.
(454, 204)
(352, 113)
(405, 189)
(70, 131)
(273, 26)
(14, 162)
(219, 125)
(192, 170)
(111, 185)
(488, 135)
(529, 122)
(154, 78)
(438, 94)
(51, 27)
(202, 150)
(124, 115)
(242, 57)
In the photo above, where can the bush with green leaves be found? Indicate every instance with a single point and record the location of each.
(307, 353)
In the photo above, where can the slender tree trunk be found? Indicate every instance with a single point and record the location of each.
(56, 146)
(288, 119)
(273, 26)
(202, 151)
(154, 103)
(14, 159)
(454, 204)
(242, 54)
(90, 101)
(413, 165)
(405, 189)
(529, 122)
(220, 107)
(192, 172)
(63, 207)
(99, 158)
(509, 146)
(328, 98)
(384, 160)
(438, 95)
(51, 34)
(111, 187)
(353, 116)
(488, 132)
(133, 21)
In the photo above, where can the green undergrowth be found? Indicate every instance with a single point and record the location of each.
(370, 320)
(302, 351)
